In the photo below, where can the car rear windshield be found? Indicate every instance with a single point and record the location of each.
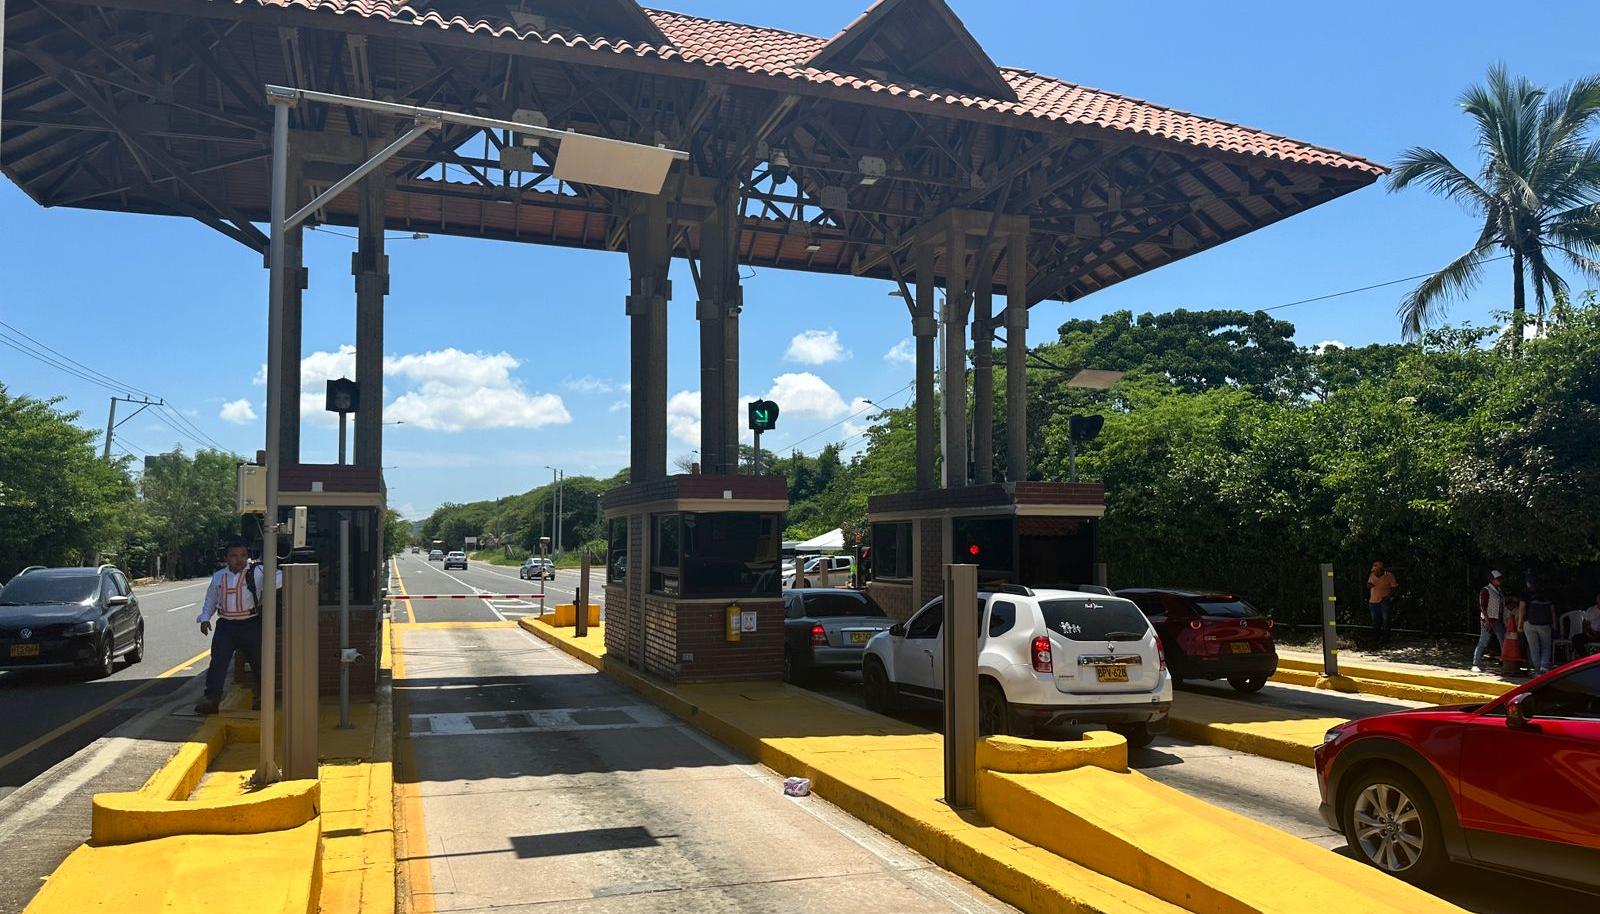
(819, 605)
(1225, 607)
(1095, 619)
(52, 589)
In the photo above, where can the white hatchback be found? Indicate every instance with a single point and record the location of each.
(1044, 657)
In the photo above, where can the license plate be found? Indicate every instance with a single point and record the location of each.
(860, 637)
(24, 650)
(1117, 673)
(1239, 647)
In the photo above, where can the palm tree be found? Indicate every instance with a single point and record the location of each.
(1538, 191)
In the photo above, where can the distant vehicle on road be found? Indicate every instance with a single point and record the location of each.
(1045, 657)
(76, 618)
(827, 629)
(811, 572)
(456, 559)
(1210, 635)
(436, 555)
(1511, 784)
(537, 568)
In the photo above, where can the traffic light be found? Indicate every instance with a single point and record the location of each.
(1085, 428)
(763, 415)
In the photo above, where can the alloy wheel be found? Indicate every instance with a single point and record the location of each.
(1388, 827)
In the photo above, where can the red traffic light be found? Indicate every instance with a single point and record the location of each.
(972, 549)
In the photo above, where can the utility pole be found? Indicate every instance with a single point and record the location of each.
(112, 424)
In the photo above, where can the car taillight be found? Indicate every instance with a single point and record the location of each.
(1194, 624)
(1043, 661)
(1161, 657)
(1270, 624)
(818, 635)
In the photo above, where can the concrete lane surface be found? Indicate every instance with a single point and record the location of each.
(529, 782)
(49, 715)
(421, 576)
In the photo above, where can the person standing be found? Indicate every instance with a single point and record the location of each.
(1537, 624)
(1381, 585)
(233, 599)
(1491, 619)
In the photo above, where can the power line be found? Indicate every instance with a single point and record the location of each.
(1379, 285)
(795, 445)
(123, 385)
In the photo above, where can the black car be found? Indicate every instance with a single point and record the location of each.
(74, 618)
(827, 628)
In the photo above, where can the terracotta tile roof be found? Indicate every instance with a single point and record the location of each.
(774, 52)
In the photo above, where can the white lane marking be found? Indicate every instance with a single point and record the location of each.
(184, 606)
(477, 591)
(199, 582)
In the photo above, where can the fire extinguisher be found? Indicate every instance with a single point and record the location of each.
(733, 621)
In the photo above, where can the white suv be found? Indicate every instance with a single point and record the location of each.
(1044, 657)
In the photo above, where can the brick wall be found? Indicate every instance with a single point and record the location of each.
(894, 598)
(616, 624)
(702, 631)
(931, 549)
(365, 631)
(660, 637)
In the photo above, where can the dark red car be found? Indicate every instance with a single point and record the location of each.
(1209, 635)
(1513, 784)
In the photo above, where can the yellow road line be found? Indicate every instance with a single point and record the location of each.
(87, 716)
(411, 844)
(400, 583)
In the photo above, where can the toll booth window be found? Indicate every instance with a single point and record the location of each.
(617, 551)
(730, 555)
(987, 543)
(891, 551)
(664, 554)
(322, 542)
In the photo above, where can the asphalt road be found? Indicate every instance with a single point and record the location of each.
(51, 715)
(422, 577)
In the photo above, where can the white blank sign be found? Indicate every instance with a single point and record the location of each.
(612, 163)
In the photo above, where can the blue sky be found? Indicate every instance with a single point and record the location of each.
(509, 358)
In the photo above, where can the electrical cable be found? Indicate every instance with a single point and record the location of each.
(108, 379)
(795, 445)
(1379, 285)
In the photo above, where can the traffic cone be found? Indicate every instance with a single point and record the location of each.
(1512, 656)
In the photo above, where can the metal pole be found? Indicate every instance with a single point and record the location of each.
(961, 685)
(342, 422)
(111, 421)
(1072, 459)
(1330, 625)
(344, 611)
(580, 621)
(755, 462)
(267, 768)
(561, 505)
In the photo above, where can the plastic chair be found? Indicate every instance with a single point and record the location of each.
(1567, 625)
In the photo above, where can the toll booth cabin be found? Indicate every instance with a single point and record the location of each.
(330, 492)
(1039, 534)
(693, 589)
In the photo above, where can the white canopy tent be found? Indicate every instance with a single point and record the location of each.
(832, 541)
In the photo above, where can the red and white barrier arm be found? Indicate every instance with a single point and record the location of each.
(467, 596)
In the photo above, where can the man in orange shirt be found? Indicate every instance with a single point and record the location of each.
(1380, 586)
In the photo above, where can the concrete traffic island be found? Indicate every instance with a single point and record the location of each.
(196, 837)
(1390, 681)
(1059, 826)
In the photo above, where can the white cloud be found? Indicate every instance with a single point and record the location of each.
(239, 412)
(683, 417)
(589, 384)
(1325, 345)
(816, 347)
(617, 406)
(442, 390)
(866, 410)
(803, 395)
(902, 353)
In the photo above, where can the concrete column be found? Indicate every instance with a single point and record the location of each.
(953, 386)
(648, 261)
(293, 296)
(923, 327)
(370, 266)
(721, 298)
(983, 369)
(1017, 359)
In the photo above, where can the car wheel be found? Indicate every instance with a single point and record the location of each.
(1247, 684)
(880, 693)
(1390, 824)
(994, 715)
(788, 666)
(105, 664)
(1139, 735)
(137, 653)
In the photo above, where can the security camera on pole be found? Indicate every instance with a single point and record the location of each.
(763, 418)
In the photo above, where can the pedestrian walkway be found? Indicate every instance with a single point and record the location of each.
(528, 782)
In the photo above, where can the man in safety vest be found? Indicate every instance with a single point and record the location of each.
(234, 599)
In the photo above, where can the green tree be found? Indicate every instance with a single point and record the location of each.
(1537, 192)
(59, 502)
(396, 533)
(191, 506)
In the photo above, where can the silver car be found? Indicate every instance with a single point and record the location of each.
(826, 628)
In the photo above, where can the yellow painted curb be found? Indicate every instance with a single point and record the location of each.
(1014, 755)
(1373, 674)
(163, 808)
(1336, 684)
(566, 615)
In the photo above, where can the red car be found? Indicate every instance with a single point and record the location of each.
(1513, 784)
(1210, 635)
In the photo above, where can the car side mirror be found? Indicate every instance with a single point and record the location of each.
(1519, 712)
(898, 630)
(118, 600)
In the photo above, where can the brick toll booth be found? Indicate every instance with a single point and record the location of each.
(692, 577)
(1039, 534)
